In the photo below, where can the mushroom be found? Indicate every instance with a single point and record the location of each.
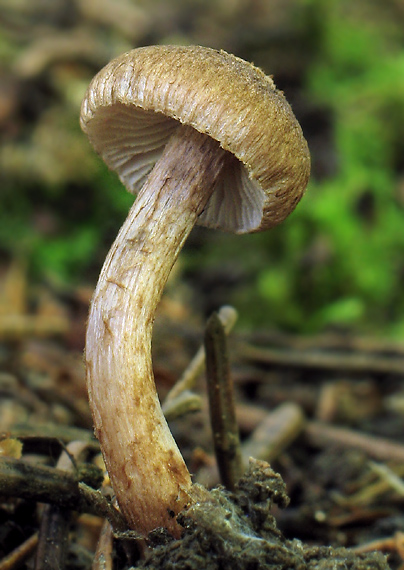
(202, 137)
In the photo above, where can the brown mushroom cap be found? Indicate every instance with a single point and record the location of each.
(134, 104)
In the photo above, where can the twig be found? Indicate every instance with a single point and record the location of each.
(340, 361)
(393, 543)
(389, 477)
(228, 317)
(185, 403)
(275, 433)
(221, 404)
(55, 523)
(103, 554)
(18, 556)
(52, 433)
(94, 502)
(330, 342)
(249, 416)
(48, 485)
(322, 435)
(52, 547)
(369, 491)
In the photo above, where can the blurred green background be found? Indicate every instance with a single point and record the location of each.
(337, 262)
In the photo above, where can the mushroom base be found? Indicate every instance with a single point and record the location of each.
(148, 474)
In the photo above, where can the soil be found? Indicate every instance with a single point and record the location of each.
(322, 416)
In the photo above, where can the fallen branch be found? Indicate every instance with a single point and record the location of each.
(337, 361)
(54, 486)
(322, 435)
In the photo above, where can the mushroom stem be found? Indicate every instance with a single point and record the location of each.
(147, 471)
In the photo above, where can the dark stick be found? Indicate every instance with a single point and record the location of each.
(221, 404)
(51, 553)
(54, 486)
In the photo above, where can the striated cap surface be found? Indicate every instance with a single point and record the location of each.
(135, 103)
